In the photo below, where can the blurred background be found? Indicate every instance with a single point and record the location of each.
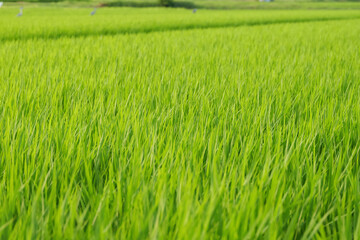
(200, 4)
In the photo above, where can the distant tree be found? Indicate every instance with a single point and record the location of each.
(166, 3)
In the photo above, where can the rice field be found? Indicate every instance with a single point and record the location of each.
(163, 124)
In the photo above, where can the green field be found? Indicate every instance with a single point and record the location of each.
(162, 124)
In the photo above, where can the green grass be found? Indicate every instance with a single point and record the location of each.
(56, 23)
(141, 124)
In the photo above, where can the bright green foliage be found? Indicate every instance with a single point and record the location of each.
(247, 132)
(56, 23)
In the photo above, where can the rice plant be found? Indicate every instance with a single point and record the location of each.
(244, 126)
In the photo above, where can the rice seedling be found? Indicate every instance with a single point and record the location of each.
(179, 132)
